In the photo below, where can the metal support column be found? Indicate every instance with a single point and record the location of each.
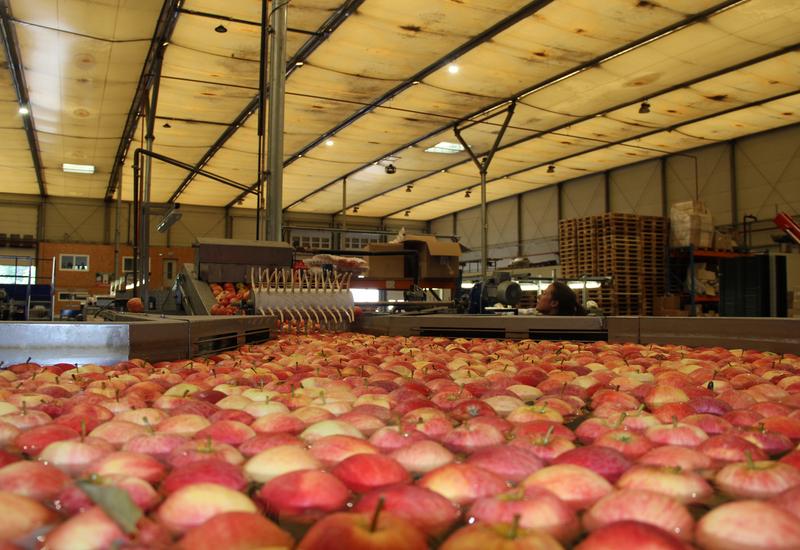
(734, 188)
(277, 86)
(261, 225)
(664, 198)
(483, 169)
(147, 178)
(344, 214)
(118, 207)
(607, 191)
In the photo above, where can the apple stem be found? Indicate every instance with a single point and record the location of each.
(749, 458)
(83, 430)
(375, 515)
(710, 385)
(548, 435)
(620, 420)
(514, 527)
(674, 421)
(28, 360)
(24, 408)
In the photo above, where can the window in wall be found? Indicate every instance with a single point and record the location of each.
(359, 242)
(127, 264)
(73, 262)
(311, 241)
(17, 275)
(72, 296)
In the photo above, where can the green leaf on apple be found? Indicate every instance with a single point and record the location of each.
(115, 502)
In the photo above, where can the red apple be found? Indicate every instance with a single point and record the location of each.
(365, 472)
(378, 531)
(578, 486)
(748, 525)
(205, 471)
(236, 531)
(535, 507)
(430, 512)
(507, 461)
(194, 504)
(631, 535)
(22, 516)
(470, 438)
(138, 465)
(644, 506)
(33, 441)
(483, 536)
(423, 456)
(607, 462)
(757, 479)
(332, 449)
(304, 495)
(462, 483)
(685, 486)
(33, 479)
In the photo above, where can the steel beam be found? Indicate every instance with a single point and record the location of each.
(318, 38)
(18, 78)
(604, 145)
(701, 16)
(164, 29)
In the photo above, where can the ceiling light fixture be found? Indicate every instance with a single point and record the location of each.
(551, 169)
(409, 188)
(468, 194)
(77, 168)
(452, 68)
(445, 148)
(167, 125)
(299, 64)
(222, 29)
(329, 143)
(355, 209)
(24, 110)
(408, 213)
(644, 108)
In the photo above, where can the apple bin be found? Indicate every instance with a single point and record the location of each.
(356, 441)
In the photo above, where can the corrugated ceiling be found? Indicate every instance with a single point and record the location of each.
(375, 78)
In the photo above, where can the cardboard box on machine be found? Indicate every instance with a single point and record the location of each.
(437, 259)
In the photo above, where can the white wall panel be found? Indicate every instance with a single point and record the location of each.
(244, 227)
(502, 219)
(197, 222)
(18, 220)
(636, 189)
(768, 173)
(468, 227)
(74, 221)
(540, 223)
(712, 183)
(583, 197)
(442, 226)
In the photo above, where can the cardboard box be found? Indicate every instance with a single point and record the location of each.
(666, 303)
(437, 259)
(691, 224)
(385, 267)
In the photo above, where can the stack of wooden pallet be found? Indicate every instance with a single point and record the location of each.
(628, 248)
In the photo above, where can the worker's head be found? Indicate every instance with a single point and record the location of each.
(559, 299)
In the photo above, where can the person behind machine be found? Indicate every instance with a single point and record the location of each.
(559, 299)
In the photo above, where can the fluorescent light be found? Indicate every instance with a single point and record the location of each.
(453, 68)
(445, 148)
(78, 168)
(467, 285)
(583, 284)
(329, 143)
(24, 110)
(528, 287)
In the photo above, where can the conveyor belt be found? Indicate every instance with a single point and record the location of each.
(151, 337)
(772, 334)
